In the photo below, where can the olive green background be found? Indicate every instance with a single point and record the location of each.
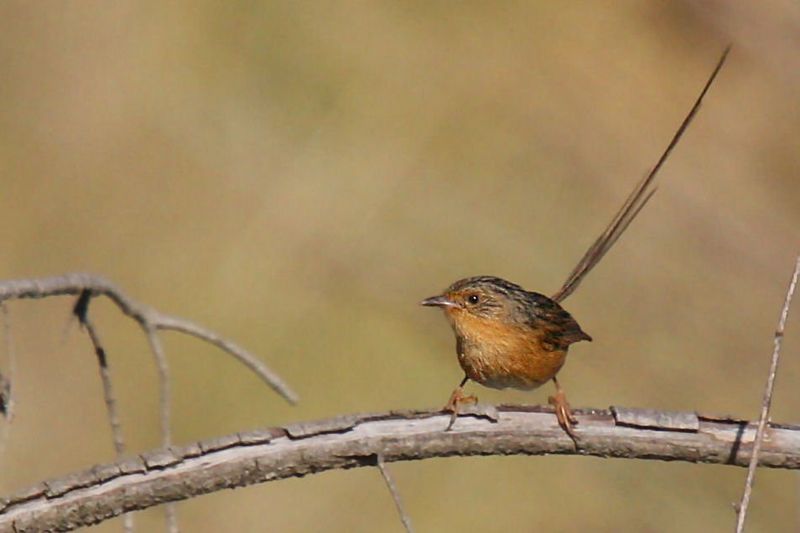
(298, 175)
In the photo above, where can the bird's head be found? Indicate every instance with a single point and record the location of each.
(484, 297)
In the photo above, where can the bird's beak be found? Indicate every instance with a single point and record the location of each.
(439, 301)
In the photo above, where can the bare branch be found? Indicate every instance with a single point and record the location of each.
(164, 409)
(353, 441)
(390, 484)
(6, 380)
(163, 384)
(87, 286)
(246, 358)
(767, 402)
(81, 311)
(147, 317)
(6, 397)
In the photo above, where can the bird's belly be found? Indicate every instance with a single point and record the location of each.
(499, 368)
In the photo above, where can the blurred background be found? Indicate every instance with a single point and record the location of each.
(297, 176)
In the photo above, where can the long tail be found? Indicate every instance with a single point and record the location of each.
(635, 202)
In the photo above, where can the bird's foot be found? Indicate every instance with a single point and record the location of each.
(564, 414)
(457, 399)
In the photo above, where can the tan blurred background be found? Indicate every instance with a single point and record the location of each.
(299, 175)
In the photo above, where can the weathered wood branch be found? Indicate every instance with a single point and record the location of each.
(89, 286)
(254, 457)
(150, 319)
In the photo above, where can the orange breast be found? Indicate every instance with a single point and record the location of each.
(499, 356)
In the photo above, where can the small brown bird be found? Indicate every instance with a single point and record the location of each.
(509, 337)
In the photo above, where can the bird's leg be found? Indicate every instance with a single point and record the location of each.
(563, 411)
(457, 399)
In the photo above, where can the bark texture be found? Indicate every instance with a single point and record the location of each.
(247, 458)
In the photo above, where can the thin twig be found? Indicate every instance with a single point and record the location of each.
(81, 311)
(163, 385)
(297, 450)
(165, 410)
(87, 286)
(7, 380)
(390, 484)
(171, 517)
(108, 393)
(243, 356)
(767, 402)
(74, 284)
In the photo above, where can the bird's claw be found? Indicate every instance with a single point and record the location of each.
(457, 399)
(564, 414)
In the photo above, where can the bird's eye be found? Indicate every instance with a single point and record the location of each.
(473, 298)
